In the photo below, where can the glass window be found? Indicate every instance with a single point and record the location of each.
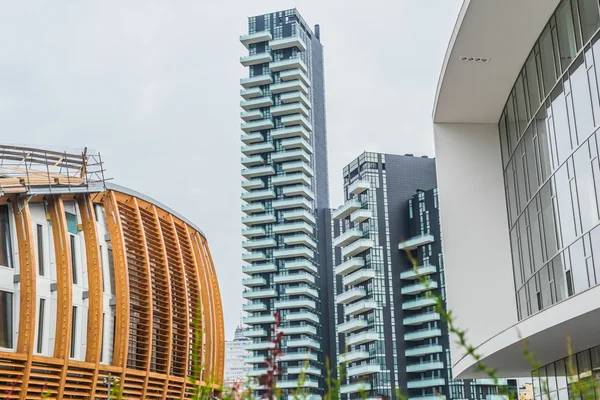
(6, 319)
(74, 332)
(533, 86)
(73, 258)
(5, 246)
(111, 270)
(565, 205)
(521, 105)
(589, 19)
(582, 102)
(547, 61)
(586, 191)
(40, 249)
(513, 129)
(578, 267)
(562, 134)
(566, 34)
(560, 283)
(544, 149)
(40, 337)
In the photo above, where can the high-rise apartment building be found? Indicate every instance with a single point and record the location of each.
(389, 335)
(285, 194)
(235, 359)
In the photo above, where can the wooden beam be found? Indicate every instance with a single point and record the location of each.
(27, 286)
(96, 295)
(64, 282)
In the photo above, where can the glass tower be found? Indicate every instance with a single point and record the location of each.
(285, 196)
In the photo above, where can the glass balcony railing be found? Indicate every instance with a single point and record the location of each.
(422, 383)
(354, 324)
(298, 166)
(351, 295)
(355, 355)
(357, 247)
(309, 343)
(290, 108)
(355, 388)
(425, 366)
(363, 369)
(301, 329)
(259, 293)
(289, 86)
(300, 239)
(288, 42)
(299, 356)
(254, 59)
(253, 208)
(301, 316)
(302, 290)
(301, 277)
(288, 63)
(259, 195)
(292, 74)
(259, 244)
(420, 271)
(415, 242)
(349, 266)
(294, 252)
(419, 287)
(290, 227)
(301, 303)
(253, 232)
(259, 102)
(294, 202)
(296, 119)
(423, 334)
(359, 277)
(254, 172)
(255, 281)
(257, 80)
(293, 97)
(259, 268)
(258, 148)
(290, 155)
(418, 351)
(299, 190)
(250, 138)
(361, 338)
(418, 303)
(297, 143)
(421, 318)
(290, 132)
(259, 319)
(301, 264)
(254, 306)
(256, 37)
(303, 215)
(346, 209)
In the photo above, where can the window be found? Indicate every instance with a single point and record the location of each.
(6, 319)
(73, 333)
(40, 338)
(73, 258)
(5, 249)
(40, 249)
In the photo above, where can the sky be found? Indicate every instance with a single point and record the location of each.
(154, 87)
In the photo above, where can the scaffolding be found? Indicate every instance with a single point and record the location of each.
(38, 171)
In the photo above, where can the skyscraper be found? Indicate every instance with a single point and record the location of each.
(285, 194)
(235, 355)
(388, 331)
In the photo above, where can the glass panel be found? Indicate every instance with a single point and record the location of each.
(504, 140)
(73, 258)
(561, 374)
(565, 205)
(551, 374)
(521, 106)
(589, 19)
(536, 239)
(578, 267)
(5, 247)
(513, 129)
(582, 101)
(74, 333)
(40, 338)
(545, 151)
(549, 220)
(530, 160)
(6, 320)
(560, 282)
(547, 60)
(566, 34)
(586, 191)
(561, 125)
(533, 86)
(595, 243)
(111, 271)
(40, 249)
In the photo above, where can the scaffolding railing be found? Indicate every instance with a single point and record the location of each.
(37, 171)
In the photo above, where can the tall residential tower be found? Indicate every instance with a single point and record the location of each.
(285, 194)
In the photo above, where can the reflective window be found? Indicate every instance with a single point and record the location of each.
(6, 319)
(5, 249)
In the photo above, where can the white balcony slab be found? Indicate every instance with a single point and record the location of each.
(251, 138)
(258, 148)
(293, 202)
(302, 329)
(290, 155)
(255, 59)
(254, 256)
(297, 143)
(253, 161)
(300, 240)
(296, 265)
(254, 333)
(294, 252)
(258, 219)
(293, 97)
(253, 208)
(255, 195)
(303, 290)
(302, 316)
(358, 277)
(254, 359)
(288, 63)
(259, 268)
(352, 325)
(251, 93)
(360, 307)
(419, 351)
(259, 244)
(351, 235)
(346, 209)
(254, 103)
(254, 306)
(253, 232)
(299, 190)
(300, 356)
(357, 247)
(363, 369)
(423, 334)
(252, 115)
(258, 125)
(293, 74)
(296, 119)
(288, 109)
(349, 266)
(298, 277)
(299, 215)
(290, 227)
(289, 86)
(361, 338)
(310, 343)
(419, 272)
(290, 304)
(420, 287)
(422, 383)
(259, 319)
(253, 184)
(414, 242)
(298, 166)
(265, 345)
(351, 295)
(419, 319)
(361, 215)
(290, 132)
(259, 293)
(256, 37)
(257, 172)
(257, 80)
(359, 187)
(425, 366)
(288, 42)
(294, 178)
(353, 356)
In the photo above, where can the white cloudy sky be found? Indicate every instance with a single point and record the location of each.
(154, 86)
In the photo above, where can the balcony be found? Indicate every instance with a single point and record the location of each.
(254, 306)
(355, 355)
(419, 302)
(259, 319)
(259, 244)
(358, 187)
(251, 138)
(296, 119)
(299, 190)
(305, 265)
(253, 161)
(266, 345)
(302, 329)
(294, 252)
(419, 351)
(422, 383)
(259, 125)
(291, 179)
(253, 208)
(351, 295)
(302, 277)
(355, 388)
(294, 202)
(302, 215)
(265, 194)
(251, 93)
(442, 397)
(415, 242)
(256, 332)
(361, 307)
(305, 370)
(293, 74)
(290, 155)
(257, 80)
(258, 219)
(425, 366)
(256, 37)
(259, 293)
(294, 97)
(348, 237)
(352, 325)
(423, 334)
(302, 316)
(289, 86)
(254, 256)
(251, 282)
(253, 184)
(419, 287)
(259, 102)
(298, 166)
(288, 304)
(254, 359)
(295, 383)
(287, 109)
(287, 42)
(257, 172)
(358, 277)
(490, 382)
(253, 115)
(301, 356)
(290, 227)
(349, 266)
(256, 372)
(253, 232)
(420, 271)
(258, 148)
(300, 240)
(357, 247)
(297, 143)
(259, 269)
(254, 59)
(288, 63)
(363, 369)
(346, 209)
(361, 215)
(304, 290)
(289, 132)
(295, 343)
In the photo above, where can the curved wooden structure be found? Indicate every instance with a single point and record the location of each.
(165, 290)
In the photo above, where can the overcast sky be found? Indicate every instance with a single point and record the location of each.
(154, 86)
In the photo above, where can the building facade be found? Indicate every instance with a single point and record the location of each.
(236, 368)
(524, 147)
(390, 337)
(98, 281)
(285, 195)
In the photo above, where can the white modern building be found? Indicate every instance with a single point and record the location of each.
(515, 119)
(236, 369)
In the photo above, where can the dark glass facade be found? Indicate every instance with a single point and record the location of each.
(548, 134)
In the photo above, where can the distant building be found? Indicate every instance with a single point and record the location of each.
(526, 392)
(235, 369)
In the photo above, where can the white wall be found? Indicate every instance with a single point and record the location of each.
(480, 287)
